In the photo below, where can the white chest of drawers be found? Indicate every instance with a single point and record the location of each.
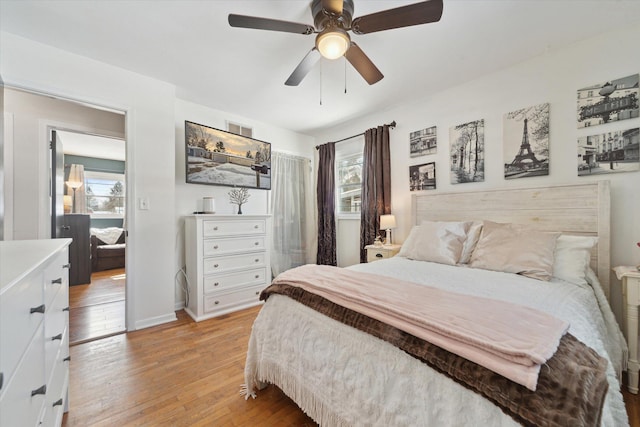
(227, 262)
(34, 332)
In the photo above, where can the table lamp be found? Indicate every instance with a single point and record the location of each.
(387, 222)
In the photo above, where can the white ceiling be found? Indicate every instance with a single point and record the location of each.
(240, 71)
(81, 144)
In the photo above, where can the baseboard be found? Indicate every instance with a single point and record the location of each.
(158, 320)
(179, 305)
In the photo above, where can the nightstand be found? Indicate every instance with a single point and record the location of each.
(376, 253)
(630, 303)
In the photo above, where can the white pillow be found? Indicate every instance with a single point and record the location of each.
(473, 235)
(572, 257)
(435, 241)
(515, 248)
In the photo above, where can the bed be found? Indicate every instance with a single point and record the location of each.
(340, 375)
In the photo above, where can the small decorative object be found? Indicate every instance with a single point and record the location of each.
(208, 205)
(238, 196)
(377, 242)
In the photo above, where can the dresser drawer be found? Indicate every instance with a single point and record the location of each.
(55, 329)
(15, 306)
(17, 406)
(57, 387)
(56, 276)
(223, 282)
(220, 228)
(233, 245)
(230, 300)
(234, 262)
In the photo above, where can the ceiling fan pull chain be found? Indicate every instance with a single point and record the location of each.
(321, 82)
(345, 73)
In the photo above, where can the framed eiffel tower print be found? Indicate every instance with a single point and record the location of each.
(526, 142)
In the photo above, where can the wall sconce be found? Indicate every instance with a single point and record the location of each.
(387, 222)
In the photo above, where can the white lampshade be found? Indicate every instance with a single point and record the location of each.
(387, 222)
(332, 43)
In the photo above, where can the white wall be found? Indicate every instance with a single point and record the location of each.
(149, 107)
(188, 197)
(30, 115)
(554, 78)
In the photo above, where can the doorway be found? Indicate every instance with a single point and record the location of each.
(89, 177)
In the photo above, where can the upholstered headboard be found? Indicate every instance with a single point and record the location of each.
(582, 209)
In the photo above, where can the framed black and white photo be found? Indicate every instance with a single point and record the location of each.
(609, 101)
(422, 177)
(217, 157)
(466, 152)
(526, 142)
(609, 152)
(422, 142)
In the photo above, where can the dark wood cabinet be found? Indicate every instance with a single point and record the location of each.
(76, 227)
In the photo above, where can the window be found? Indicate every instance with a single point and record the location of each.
(105, 193)
(349, 183)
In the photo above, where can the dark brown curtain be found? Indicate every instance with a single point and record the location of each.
(376, 185)
(326, 205)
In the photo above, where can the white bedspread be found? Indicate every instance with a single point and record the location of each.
(356, 379)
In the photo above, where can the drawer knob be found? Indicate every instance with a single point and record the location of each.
(57, 402)
(257, 292)
(257, 260)
(57, 281)
(257, 276)
(67, 265)
(216, 284)
(215, 228)
(38, 309)
(256, 243)
(66, 308)
(255, 226)
(215, 247)
(67, 359)
(41, 390)
(215, 265)
(379, 255)
(57, 337)
(216, 302)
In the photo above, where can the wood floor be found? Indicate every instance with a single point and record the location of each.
(97, 310)
(182, 374)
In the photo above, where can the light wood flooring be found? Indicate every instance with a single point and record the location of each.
(97, 310)
(183, 374)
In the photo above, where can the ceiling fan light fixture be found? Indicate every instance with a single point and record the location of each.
(332, 43)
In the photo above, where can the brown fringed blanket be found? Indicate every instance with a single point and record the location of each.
(571, 386)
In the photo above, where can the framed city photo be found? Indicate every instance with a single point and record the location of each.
(609, 101)
(422, 177)
(422, 142)
(217, 157)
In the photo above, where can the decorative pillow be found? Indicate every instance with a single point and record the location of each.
(572, 257)
(515, 248)
(435, 241)
(470, 242)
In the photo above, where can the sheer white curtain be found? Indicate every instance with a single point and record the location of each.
(293, 238)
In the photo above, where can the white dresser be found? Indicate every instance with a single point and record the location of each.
(227, 261)
(34, 332)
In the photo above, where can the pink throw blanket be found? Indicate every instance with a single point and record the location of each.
(506, 338)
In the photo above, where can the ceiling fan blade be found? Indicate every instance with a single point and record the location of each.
(303, 68)
(363, 64)
(405, 16)
(334, 7)
(243, 21)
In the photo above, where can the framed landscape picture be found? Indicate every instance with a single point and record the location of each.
(466, 152)
(217, 157)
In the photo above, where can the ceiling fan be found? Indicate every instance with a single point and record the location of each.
(332, 21)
